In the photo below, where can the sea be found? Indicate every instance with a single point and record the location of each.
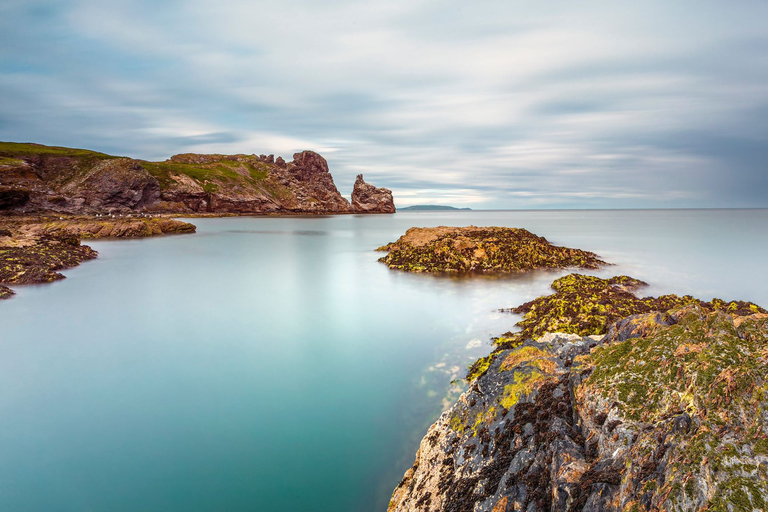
(273, 364)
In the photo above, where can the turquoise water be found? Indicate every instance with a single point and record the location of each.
(273, 364)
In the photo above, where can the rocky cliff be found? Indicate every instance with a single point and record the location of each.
(667, 410)
(35, 178)
(369, 199)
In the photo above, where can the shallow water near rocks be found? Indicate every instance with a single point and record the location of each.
(274, 364)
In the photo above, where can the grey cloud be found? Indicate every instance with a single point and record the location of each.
(508, 103)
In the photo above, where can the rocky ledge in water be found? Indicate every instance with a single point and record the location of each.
(481, 249)
(666, 411)
(34, 249)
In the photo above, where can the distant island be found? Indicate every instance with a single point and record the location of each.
(431, 207)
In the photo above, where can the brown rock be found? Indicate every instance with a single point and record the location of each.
(13, 197)
(121, 183)
(369, 199)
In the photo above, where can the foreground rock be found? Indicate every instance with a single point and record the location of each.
(36, 178)
(481, 249)
(589, 305)
(668, 411)
(369, 199)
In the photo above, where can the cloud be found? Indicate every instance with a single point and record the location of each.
(497, 105)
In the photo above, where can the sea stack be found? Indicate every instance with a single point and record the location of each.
(369, 199)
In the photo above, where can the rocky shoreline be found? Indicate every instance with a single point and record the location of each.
(602, 400)
(34, 249)
(643, 404)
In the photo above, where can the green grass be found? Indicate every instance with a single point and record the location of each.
(16, 149)
(10, 161)
(214, 173)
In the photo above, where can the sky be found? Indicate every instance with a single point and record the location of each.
(487, 104)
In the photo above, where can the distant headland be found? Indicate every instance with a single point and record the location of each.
(38, 179)
(431, 207)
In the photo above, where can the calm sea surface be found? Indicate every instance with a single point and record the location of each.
(272, 364)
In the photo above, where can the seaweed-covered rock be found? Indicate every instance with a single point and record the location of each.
(39, 261)
(5, 292)
(587, 305)
(674, 419)
(481, 249)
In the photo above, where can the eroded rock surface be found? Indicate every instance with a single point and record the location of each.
(669, 412)
(481, 249)
(369, 199)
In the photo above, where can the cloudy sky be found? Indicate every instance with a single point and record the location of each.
(484, 104)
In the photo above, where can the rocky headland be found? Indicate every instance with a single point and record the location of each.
(38, 179)
(642, 404)
(481, 249)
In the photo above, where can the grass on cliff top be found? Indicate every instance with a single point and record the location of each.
(481, 249)
(17, 149)
(215, 173)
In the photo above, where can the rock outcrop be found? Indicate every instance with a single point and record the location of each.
(481, 249)
(34, 249)
(35, 179)
(39, 260)
(369, 199)
(667, 411)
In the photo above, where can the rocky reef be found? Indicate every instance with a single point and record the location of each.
(36, 179)
(662, 410)
(34, 249)
(369, 199)
(481, 249)
(39, 260)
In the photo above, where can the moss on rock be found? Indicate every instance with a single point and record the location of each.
(588, 305)
(481, 249)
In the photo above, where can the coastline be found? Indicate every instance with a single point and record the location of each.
(34, 248)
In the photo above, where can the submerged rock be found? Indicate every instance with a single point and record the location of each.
(481, 249)
(5, 292)
(674, 417)
(369, 199)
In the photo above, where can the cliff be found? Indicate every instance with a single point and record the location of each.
(36, 178)
(662, 410)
